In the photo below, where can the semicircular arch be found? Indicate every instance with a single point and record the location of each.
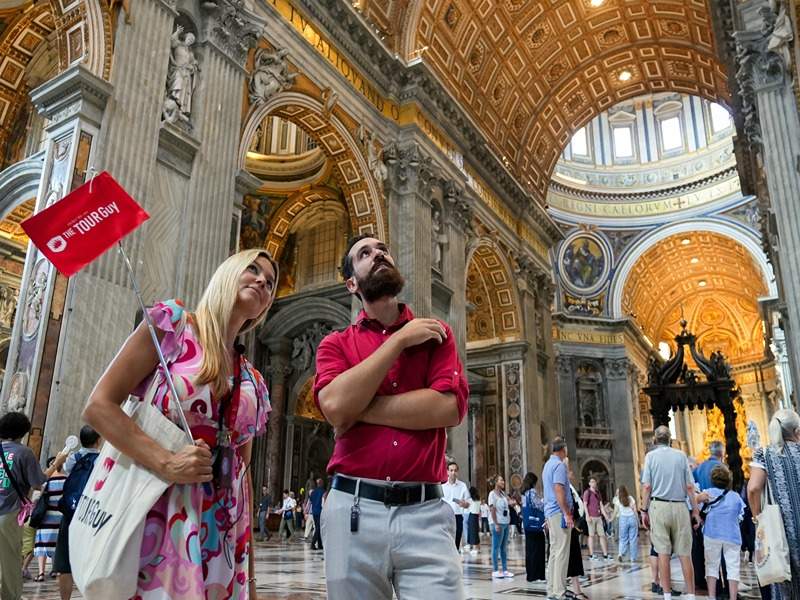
(296, 318)
(351, 169)
(490, 291)
(284, 219)
(724, 227)
(19, 183)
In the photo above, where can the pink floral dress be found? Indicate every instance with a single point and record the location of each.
(197, 537)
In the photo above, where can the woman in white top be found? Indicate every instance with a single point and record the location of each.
(625, 509)
(473, 525)
(499, 517)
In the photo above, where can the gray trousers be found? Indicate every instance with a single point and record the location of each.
(409, 549)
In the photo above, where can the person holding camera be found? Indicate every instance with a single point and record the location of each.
(499, 519)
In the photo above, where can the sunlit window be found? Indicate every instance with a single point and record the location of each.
(720, 118)
(623, 142)
(671, 138)
(580, 142)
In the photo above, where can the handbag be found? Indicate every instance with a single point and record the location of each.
(39, 509)
(25, 504)
(107, 529)
(772, 548)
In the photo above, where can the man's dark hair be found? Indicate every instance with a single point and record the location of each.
(452, 462)
(14, 425)
(285, 491)
(347, 260)
(557, 445)
(529, 482)
(88, 436)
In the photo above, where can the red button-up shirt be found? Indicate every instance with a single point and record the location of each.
(377, 451)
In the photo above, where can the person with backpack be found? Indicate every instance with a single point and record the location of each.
(533, 524)
(78, 468)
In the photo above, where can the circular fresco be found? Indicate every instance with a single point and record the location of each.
(584, 263)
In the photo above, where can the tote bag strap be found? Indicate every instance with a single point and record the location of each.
(11, 478)
(769, 499)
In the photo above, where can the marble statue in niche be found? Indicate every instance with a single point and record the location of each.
(181, 77)
(375, 160)
(270, 75)
(436, 238)
(8, 305)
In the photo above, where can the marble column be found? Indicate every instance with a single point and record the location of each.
(73, 103)
(458, 222)
(185, 179)
(620, 409)
(278, 372)
(408, 190)
(514, 418)
(772, 128)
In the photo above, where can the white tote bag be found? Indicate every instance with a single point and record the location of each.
(105, 536)
(772, 548)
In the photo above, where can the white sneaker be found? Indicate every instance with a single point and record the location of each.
(497, 575)
(508, 574)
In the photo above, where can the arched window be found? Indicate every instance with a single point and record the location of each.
(321, 239)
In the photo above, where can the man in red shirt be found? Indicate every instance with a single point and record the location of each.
(389, 384)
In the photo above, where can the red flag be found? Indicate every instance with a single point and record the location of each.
(84, 224)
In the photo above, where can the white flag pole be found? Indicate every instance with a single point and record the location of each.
(175, 397)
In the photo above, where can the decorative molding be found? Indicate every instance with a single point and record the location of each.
(617, 368)
(232, 28)
(513, 412)
(410, 170)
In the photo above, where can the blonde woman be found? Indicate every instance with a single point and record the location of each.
(197, 535)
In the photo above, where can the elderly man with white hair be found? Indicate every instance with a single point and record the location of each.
(666, 483)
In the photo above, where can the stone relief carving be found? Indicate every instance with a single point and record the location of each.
(459, 207)
(270, 75)
(181, 78)
(329, 101)
(34, 300)
(778, 30)
(54, 194)
(514, 423)
(617, 368)
(230, 28)
(18, 394)
(304, 346)
(409, 169)
(8, 305)
(564, 365)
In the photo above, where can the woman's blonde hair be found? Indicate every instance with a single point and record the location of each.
(784, 426)
(214, 313)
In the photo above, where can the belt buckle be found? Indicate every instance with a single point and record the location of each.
(391, 495)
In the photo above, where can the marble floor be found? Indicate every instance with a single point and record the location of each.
(292, 571)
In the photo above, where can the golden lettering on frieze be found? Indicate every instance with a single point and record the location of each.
(643, 209)
(588, 337)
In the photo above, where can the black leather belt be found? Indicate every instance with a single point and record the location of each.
(391, 494)
(673, 501)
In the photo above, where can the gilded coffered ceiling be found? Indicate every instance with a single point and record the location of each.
(713, 280)
(531, 73)
(10, 229)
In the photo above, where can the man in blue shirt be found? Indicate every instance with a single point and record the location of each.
(702, 474)
(558, 511)
(317, 496)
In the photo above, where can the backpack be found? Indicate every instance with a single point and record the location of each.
(75, 482)
(532, 517)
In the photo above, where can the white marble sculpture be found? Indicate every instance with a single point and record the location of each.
(270, 75)
(181, 77)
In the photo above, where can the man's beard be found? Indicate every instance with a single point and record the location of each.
(381, 283)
